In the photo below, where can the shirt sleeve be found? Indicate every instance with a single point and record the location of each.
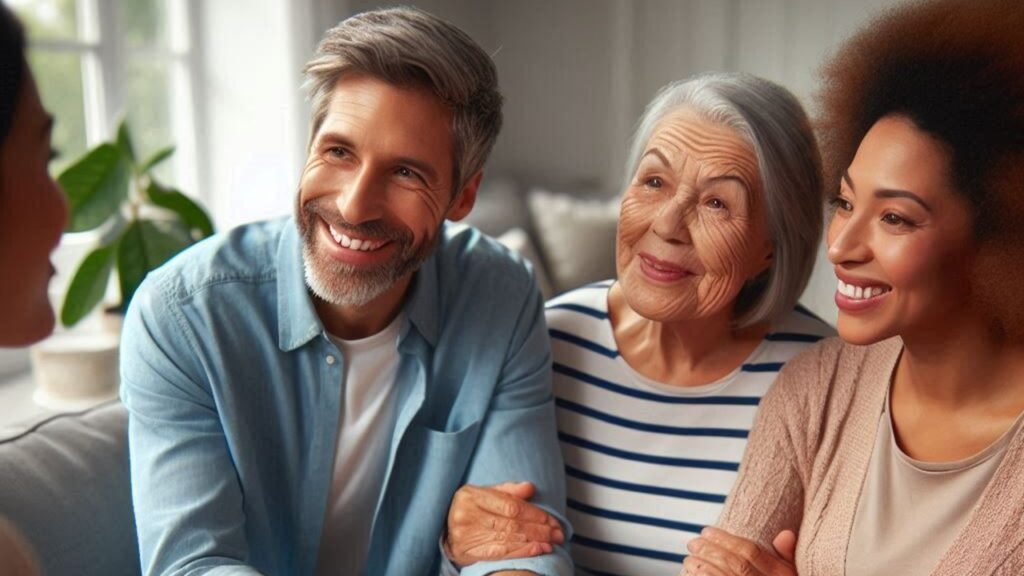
(185, 490)
(768, 496)
(519, 439)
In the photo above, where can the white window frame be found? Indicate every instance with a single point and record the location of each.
(104, 63)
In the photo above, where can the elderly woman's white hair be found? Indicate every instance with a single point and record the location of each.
(771, 119)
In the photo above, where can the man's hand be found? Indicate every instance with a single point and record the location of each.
(497, 523)
(718, 553)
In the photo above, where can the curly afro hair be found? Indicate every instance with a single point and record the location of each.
(956, 69)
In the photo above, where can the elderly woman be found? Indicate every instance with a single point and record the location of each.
(900, 448)
(32, 216)
(658, 374)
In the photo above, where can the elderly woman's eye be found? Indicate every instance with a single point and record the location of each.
(654, 182)
(715, 204)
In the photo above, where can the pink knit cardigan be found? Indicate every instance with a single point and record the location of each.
(808, 455)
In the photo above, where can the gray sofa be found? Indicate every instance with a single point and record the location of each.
(64, 484)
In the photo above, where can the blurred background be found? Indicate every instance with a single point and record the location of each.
(221, 80)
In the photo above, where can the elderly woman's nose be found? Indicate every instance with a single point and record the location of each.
(672, 221)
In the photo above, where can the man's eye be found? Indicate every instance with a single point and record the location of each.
(337, 151)
(405, 172)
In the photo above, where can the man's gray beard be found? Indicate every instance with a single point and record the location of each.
(346, 285)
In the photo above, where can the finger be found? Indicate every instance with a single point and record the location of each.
(785, 545)
(501, 551)
(766, 562)
(506, 506)
(521, 490)
(695, 566)
(721, 559)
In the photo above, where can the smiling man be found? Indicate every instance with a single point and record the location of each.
(307, 394)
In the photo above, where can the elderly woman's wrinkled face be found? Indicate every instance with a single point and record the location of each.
(691, 227)
(901, 238)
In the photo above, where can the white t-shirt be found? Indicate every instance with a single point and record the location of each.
(364, 431)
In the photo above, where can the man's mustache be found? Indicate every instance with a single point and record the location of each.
(378, 229)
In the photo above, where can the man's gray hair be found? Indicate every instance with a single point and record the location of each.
(771, 119)
(409, 47)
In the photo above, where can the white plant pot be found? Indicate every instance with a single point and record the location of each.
(76, 370)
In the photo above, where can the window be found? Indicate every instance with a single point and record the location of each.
(98, 60)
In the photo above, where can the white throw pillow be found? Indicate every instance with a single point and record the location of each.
(577, 236)
(518, 241)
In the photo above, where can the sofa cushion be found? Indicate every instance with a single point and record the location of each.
(65, 485)
(518, 240)
(577, 237)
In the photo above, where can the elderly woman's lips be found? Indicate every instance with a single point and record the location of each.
(660, 270)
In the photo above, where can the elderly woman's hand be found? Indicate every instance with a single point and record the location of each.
(718, 553)
(496, 523)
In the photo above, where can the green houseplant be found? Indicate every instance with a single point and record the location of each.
(143, 222)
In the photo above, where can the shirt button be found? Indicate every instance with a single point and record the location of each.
(330, 359)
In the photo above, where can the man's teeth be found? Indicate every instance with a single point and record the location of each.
(861, 292)
(354, 243)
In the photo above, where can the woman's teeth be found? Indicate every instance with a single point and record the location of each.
(354, 243)
(861, 292)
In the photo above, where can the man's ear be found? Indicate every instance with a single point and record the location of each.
(464, 202)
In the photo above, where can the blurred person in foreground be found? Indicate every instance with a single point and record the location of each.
(32, 217)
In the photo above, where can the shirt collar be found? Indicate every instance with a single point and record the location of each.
(298, 322)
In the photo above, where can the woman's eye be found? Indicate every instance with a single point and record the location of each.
(715, 204)
(840, 203)
(654, 182)
(896, 220)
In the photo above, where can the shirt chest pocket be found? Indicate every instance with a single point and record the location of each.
(430, 469)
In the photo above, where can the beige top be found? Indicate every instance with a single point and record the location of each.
(910, 511)
(808, 457)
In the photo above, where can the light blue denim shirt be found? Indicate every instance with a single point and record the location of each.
(234, 392)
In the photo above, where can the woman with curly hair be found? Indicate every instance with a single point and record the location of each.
(899, 448)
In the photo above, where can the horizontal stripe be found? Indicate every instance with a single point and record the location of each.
(633, 518)
(792, 337)
(637, 457)
(657, 428)
(583, 343)
(762, 367)
(643, 488)
(593, 312)
(630, 550)
(644, 395)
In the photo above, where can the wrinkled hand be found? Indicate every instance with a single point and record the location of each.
(496, 523)
(718, 553)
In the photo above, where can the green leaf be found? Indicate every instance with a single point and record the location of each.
(191, 213)
(95, 185)
(143, 247)
(88, 285)
(155, 159)
(124, 141)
